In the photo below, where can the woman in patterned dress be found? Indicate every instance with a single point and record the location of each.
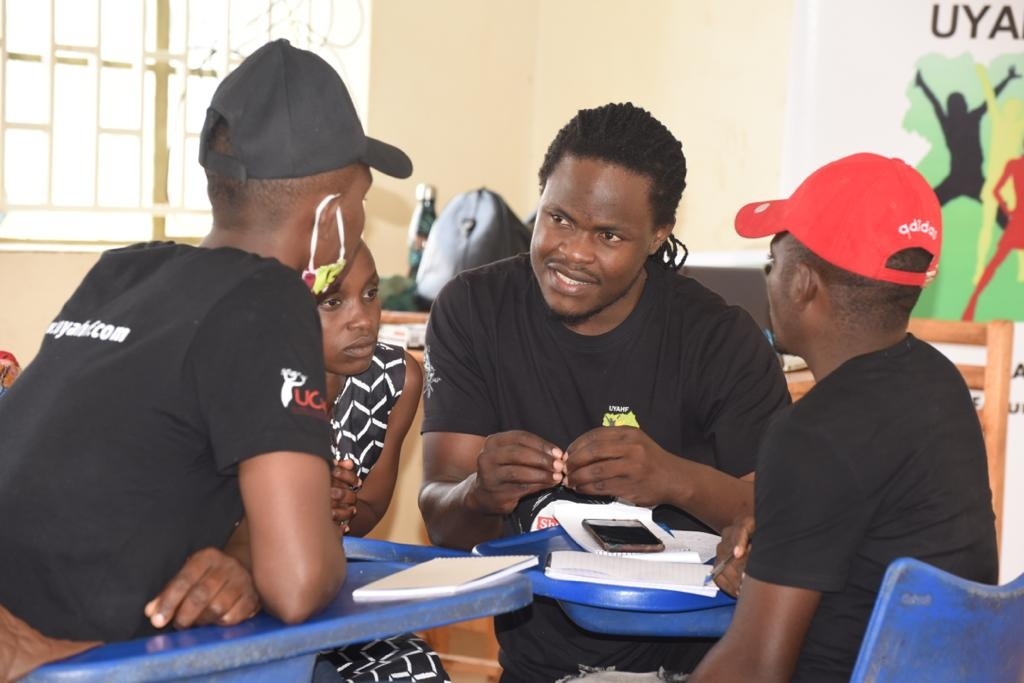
(376, 390)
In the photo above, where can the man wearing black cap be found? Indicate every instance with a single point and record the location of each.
(883, 458)
(180, 387)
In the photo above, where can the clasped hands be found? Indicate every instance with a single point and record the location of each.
(622, 462)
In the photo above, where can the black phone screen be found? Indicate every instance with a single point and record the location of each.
(621, 532)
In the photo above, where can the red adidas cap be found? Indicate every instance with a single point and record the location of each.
(855, 213)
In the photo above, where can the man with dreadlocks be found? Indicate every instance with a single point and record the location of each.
(531, 361)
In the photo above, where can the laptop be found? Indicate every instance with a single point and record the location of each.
(742, 286)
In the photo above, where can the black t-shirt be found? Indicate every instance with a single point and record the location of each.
(694, 374)
(167, 366)
(884, 458)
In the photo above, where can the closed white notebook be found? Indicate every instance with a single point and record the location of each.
(572, 565)
(443, 576)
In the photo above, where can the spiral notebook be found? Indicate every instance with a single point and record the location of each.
(572, 565)
(443, 576)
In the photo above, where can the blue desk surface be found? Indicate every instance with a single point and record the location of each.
(357, 549)
(250, 650)
(618, 610)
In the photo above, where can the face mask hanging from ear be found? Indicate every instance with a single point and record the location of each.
(319, 278)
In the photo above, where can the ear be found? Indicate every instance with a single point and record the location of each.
(805, 286)
(661, 234)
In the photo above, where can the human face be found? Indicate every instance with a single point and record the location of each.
(594, 231)
(350, 317)
(781, 313)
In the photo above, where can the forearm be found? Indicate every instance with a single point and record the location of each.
(730, 661)
(453, 517)
(765, 637)
(710, 495)
(293, 591)
(298, 562)
(367, 517)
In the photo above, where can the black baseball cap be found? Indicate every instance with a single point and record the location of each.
(290, 116)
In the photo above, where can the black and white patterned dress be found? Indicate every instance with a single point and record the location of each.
(359, 422)
(359, 416)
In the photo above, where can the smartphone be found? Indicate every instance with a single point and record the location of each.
(623, 535)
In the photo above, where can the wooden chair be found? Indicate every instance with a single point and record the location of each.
(468, 648)
(992, 378)
(929, 625)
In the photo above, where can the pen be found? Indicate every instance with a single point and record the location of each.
(718, 569)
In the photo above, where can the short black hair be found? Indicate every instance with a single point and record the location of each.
(274, 197)
(628, 136)
(885, 305)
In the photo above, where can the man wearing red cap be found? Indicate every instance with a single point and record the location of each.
(883, 458)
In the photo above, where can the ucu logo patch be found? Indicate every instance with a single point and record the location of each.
(918, 225)
(301, 400)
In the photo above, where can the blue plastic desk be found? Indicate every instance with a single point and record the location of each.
(617, 610)
(264, 649)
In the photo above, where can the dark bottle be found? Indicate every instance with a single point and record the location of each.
(423, 217)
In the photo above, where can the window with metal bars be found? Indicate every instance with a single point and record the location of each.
(102, 103)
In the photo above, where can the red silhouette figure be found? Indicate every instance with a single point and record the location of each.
(1013, 236)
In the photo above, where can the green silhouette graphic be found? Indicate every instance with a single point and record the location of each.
(959, 165)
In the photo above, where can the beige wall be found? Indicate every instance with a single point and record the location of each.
(713, 72)
(451, 83)
(475, 91)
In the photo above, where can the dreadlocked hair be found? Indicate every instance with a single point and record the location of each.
(628, 136)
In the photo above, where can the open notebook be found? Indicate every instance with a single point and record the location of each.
(572, 565)
(679, 546)
(443, 576)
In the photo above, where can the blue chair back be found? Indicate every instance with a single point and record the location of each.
(929, 625)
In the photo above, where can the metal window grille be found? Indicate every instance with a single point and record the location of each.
(102, 103)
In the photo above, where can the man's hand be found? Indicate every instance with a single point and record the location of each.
(619, 461)
(23, 649)
(344, 484)
(512, 465)
(212, 588)
(735, 543)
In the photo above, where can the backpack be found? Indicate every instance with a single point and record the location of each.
(474, 228)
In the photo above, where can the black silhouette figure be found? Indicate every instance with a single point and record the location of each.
(961, 128)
